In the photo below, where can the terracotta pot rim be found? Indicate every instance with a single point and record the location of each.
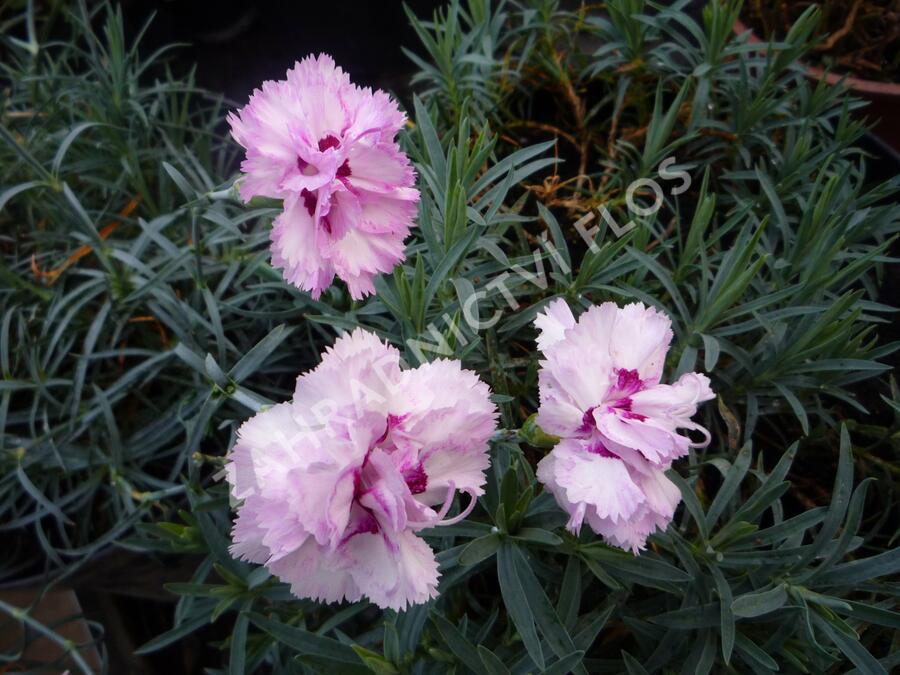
(855, 83)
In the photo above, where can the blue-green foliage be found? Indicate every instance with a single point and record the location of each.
(141, 323)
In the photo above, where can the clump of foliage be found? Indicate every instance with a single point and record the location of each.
(142, 323)
(764, 266)
(113, 278)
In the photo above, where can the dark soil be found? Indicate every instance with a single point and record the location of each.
(859, 37)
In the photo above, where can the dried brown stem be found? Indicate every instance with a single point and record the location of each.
(844, 30)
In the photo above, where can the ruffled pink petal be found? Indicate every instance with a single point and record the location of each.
(310, 178)
(318, 573)
(386, 493)
(264, 176)
(558, 413)
(589, 339)
(629, 535)
(465, 470)
(553, 323)
(386, 215)
(577, 372)
(303, 265)
(546, 474)
(344, 214)
(449, 416)
(379, 168)
(247, 537)
(654, 439)
(359, 256)
(374, 116)
(283, 530)
(320, 86)
(358, 375)
(661, 495)
(603, 483)
(395, 570)
(640, 340)
(265, 123)
(677, 402)
(266, 443)
(321, 499)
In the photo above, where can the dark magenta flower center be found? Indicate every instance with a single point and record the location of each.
(331, 141)
(596, 447)
(628, 382)
(309, 200)
(416, 478)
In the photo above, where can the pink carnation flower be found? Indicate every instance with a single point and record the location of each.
(600, 392)
(326, 147)
(336, 482)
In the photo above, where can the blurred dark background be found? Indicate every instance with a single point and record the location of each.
(236, 45)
